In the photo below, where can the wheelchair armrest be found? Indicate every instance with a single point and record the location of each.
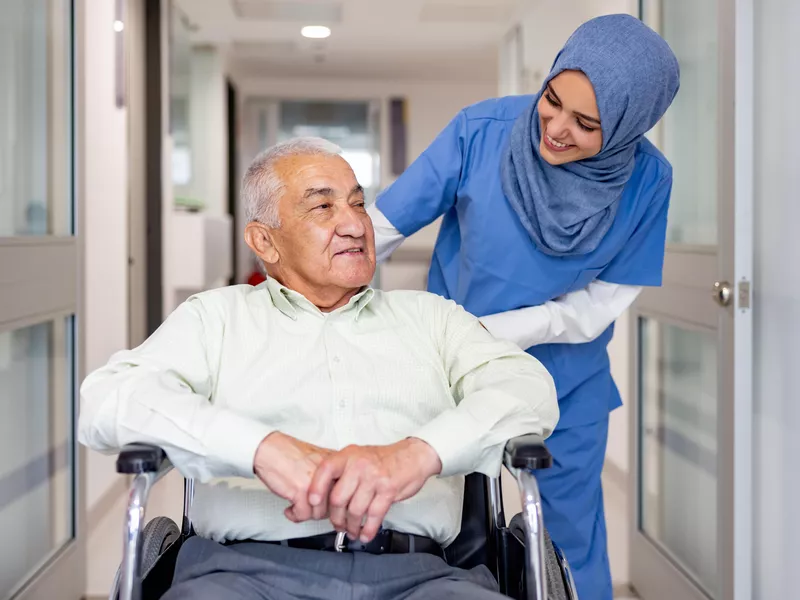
(135, 459)
(527, 452)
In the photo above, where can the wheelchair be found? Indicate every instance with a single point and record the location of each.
(520, 555)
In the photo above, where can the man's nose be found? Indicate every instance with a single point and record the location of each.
(350, 223)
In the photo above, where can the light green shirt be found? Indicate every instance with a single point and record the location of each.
(232, 365)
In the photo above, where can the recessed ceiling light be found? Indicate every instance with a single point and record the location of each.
(118, 26)
(317, 32)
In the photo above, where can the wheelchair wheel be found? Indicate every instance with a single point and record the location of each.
(557, 586)
(157, 536)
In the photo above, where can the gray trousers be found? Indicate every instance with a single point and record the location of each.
(250, 571)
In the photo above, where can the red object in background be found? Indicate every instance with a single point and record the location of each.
(256, 277)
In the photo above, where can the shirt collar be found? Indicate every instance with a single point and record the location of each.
(290, 302)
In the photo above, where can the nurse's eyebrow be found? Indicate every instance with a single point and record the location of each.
(552, 92)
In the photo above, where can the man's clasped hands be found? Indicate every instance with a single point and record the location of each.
(353, 487)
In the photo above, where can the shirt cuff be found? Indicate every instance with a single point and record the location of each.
(232, 443)
(454, 435)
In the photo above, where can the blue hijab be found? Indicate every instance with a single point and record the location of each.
(568, 209)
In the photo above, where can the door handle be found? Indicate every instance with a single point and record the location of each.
(722, 293)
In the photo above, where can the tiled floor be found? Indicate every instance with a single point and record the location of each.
(616, 506)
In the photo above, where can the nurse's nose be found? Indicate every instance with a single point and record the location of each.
(558, 126)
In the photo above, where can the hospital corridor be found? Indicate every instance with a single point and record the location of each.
(382, 299)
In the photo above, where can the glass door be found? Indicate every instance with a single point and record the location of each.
(39, 496)
(690, 485)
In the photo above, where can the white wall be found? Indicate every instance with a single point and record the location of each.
(430, 107)
(776, 477)
(105, 207)
(104, 171)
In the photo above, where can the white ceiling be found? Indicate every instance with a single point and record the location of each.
(454, 40)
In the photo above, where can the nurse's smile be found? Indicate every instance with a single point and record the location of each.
(556, 146)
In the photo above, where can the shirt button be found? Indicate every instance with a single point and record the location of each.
(336, 359)
(342, 403)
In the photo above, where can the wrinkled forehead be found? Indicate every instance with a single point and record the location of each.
(304, 172)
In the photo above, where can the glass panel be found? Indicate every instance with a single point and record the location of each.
(688, 133)
(34, 118)
(678, 446)
(36, 460)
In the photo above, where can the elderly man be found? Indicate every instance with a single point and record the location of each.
(311, 404)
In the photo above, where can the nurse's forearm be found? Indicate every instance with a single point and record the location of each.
(576, 318)
(387, 238)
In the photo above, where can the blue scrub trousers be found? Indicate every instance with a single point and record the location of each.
(572, 499)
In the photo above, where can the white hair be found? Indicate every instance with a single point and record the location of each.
(261, 185)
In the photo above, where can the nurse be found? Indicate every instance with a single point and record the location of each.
(555, 213)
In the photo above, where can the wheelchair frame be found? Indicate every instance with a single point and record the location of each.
(523, 455)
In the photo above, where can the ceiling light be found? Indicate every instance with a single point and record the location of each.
(118, 26)
(317, 32)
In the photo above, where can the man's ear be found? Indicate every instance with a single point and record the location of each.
(260, 239)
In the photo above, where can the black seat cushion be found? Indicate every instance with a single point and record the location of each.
(473, 547)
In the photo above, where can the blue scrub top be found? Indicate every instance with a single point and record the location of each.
(486, 261)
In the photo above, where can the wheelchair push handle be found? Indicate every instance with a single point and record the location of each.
(528, 452)
(135, 459)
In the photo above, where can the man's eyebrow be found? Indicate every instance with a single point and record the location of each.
(357, 190)
(321, 191)
(581, 115)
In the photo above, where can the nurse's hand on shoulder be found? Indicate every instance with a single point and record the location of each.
(514, 326)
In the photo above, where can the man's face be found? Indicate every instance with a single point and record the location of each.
(325, 246)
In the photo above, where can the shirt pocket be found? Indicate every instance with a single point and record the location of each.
(584, 278)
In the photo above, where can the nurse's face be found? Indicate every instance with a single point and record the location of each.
(569, 119)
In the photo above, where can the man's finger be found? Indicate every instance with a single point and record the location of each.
(320, 511)
(301, 507)
(357, 508)
(380, 505)
(329, 469)
(338, 517)
(340, 497)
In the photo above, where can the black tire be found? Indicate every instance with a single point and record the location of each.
(157, 536)
(556, 586)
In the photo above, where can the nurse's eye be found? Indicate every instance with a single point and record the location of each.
(585, 127)
(551, 100)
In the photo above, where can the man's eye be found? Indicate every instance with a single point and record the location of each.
(323, 206)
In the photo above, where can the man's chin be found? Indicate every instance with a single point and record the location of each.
(356, 280)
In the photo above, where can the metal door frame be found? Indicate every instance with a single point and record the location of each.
(688, 280)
